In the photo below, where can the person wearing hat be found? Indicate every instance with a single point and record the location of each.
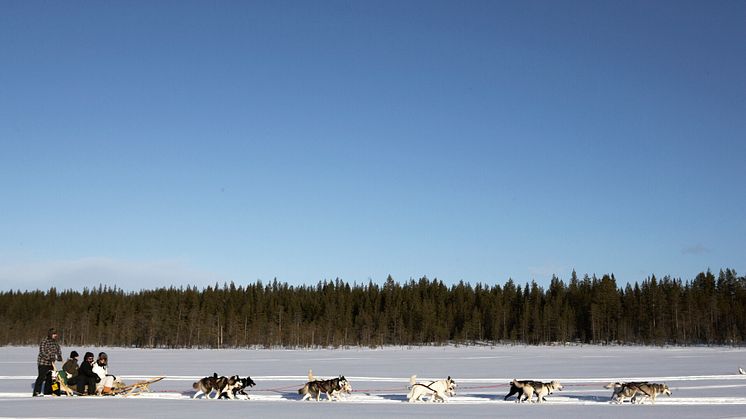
(49, 352)
(101, 368)
(71, 368)
(86, 376)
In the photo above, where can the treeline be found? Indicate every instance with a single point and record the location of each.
(705, 310)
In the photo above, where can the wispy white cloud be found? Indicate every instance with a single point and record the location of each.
(90, 272)
(697, 249)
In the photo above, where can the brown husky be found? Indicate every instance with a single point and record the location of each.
(637, 391)
(624, 390)
(530, 387)
(651, 391)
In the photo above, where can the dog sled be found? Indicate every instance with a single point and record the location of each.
(136, 388)
(59, 384)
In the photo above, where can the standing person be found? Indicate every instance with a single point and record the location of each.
(86, 376)
(101, 368)
(49, 352)
(71, 368)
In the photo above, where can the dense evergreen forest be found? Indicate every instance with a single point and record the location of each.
(705, 310)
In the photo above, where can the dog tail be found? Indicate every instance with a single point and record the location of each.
(612, 385)
(310, 375)
(412, 381)
(195, 385)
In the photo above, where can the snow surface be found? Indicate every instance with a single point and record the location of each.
(704, 380)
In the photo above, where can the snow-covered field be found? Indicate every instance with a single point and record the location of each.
(705, 382)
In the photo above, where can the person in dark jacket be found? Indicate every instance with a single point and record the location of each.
(49, 352)
(71, 368)
(86, 376)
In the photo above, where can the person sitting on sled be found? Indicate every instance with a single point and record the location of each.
(101, 368)
(70, 369)
(86, 377)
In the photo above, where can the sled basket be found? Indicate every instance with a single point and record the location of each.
(136, 388)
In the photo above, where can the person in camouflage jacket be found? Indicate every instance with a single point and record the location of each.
(49, 352)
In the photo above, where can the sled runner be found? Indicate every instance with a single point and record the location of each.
(136, 388)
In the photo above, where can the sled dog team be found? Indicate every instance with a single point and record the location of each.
(632, 390)
(233, 387)
(434, 391)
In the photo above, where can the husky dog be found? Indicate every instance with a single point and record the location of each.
(345, 388)
(205, 386)
(238, 389)
(61, 383)
(545, 389)
(227, 386)
(624, 391)
(333, 388)
(527, 388)
(438, 390)
(220, 385)
(516, 387)
(651, 391)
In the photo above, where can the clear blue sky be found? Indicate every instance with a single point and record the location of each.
(151, 143)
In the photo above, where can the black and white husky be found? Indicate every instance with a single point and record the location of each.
(205, 386)
(436, 391)
(527, 388)
(238, 390)
(333, 388)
